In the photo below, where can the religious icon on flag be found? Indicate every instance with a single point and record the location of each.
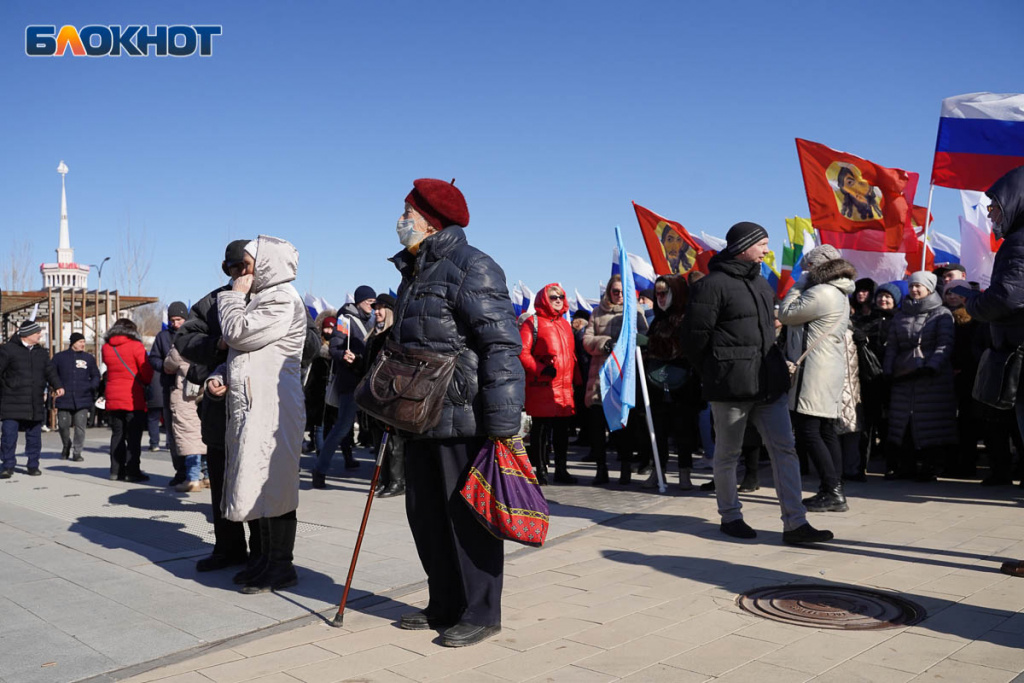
(672, 249)
(847, 194)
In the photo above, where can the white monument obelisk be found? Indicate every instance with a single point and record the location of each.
(65, 272)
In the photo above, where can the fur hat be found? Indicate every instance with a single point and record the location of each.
(441, 203)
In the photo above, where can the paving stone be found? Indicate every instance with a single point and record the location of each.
(819, 651)
(761, 672)
(998, 650)
(538, 660)
(357, 664)
(910, 652)
(859, 672)
(722, 655)
(953, 670)
(451, 661)
(615, 633)
(633, 656)
(262, 665)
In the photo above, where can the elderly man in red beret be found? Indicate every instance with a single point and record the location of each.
(453, 300)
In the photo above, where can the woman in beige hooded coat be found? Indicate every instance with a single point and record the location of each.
(263, 321)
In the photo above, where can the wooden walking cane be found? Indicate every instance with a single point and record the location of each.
(339, 618)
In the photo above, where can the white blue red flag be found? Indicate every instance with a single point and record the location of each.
(981, 138)
(618, 374)
(946, 249)
(643, 272)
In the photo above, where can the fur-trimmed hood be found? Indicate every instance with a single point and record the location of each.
(831, 271)
(121, 330)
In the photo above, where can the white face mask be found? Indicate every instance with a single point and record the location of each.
(408, 235)
(667, 301)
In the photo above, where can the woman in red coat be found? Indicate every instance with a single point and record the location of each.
(128, 374)
(549, 358)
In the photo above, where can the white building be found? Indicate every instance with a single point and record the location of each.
(65, 273)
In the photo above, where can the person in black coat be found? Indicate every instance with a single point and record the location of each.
(25, 370)
(81, 379)
(728, 333)
(158, 394)
(453, 300)
(1002, 304)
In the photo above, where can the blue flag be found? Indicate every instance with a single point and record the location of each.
(618, 374)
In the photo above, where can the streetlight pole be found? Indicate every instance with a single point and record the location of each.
(99, 273)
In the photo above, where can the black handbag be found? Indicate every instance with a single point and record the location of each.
(869, 365)
(405, 388)
(998, 376)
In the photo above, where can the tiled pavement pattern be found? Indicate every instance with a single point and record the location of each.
(99, 575)
(647, 595)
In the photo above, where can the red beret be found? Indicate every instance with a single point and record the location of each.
(441, 203)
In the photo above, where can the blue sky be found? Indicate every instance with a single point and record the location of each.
(311, 119)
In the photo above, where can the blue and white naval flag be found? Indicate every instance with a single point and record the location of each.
(618, 374)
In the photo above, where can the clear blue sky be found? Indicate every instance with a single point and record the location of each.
(311, 119)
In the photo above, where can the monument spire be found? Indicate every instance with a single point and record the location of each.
(65, 254)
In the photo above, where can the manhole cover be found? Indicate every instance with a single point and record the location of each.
(835, 607)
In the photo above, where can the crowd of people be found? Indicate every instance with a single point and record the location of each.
(841, 372)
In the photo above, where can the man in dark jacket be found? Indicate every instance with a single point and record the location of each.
(81, 379)
(176, 314)
(25, 370)
(453, 300)
(347, 348)
(728, 333)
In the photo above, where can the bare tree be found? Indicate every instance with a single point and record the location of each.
(16, 270)
(149, 318)
(134, 259)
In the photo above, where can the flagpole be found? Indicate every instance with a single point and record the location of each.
(927, 220)
(650, 421)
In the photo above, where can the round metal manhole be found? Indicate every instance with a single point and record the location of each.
(834, 607)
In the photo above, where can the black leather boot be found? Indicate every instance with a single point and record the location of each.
(280, 572)
(350, 460)
(832, 499)
(601, 477)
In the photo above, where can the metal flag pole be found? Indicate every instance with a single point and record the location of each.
(650, 421)
(927, 220)
(339, 618)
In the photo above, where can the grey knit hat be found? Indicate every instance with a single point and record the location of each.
(743, 236)
(820, 254)
(923, 277)
(28, 328)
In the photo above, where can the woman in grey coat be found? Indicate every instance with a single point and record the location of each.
(263, 322)
(919, 359)
(816, 312)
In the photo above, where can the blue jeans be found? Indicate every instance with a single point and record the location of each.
(707, 436)
(342, 428)
(9, 441)
(772, 422)
(193, 467)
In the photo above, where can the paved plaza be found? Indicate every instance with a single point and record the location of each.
(633, 585)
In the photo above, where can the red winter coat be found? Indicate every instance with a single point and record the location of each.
(554, 345)
(123, 391)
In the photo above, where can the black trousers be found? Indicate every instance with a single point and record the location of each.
(126, 429)
(464, 562)
(816, 436)
(555, 430)
(229, 537)
(674, 416)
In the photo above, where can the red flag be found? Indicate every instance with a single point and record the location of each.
(848, 194)
(671, 248)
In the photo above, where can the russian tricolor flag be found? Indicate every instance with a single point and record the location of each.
(643, 272)
(981, 138)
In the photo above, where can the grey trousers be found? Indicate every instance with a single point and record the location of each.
(65, 420)
(772, 421)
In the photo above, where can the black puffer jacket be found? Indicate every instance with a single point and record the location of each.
(1002, 304)
(919, 358)
(728, 333)
(453, 297)
(196, 341)
(24, 374)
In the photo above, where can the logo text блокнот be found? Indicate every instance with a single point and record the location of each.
(114, 41)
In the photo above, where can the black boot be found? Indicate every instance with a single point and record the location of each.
(66, 452)
(280, 572)
(832, 499)
(817, 497)
(625, 472)
(562, 475)
(259, 541)
(602, 474)
(751, 460)
(350, 460)
(396, 468)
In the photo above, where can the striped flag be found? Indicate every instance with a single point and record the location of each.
(618, 374)
(981, 138)
(643, 272)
